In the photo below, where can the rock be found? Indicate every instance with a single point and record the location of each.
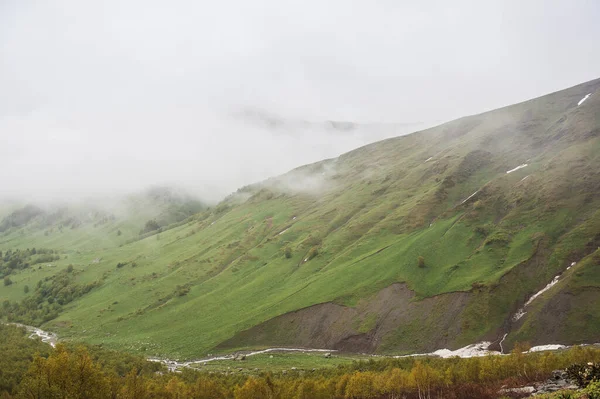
(559, 375)
(294, 368)
(327, 355)
(242, 357)
(271, 357)
(519, 390)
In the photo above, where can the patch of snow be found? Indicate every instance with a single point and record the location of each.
(583, 99)
(546, 288)
(517, 168)
(428, 159)
(572, 264)
(551, 347)
(469, 197)
(524, 178)
(294, 218)
(474, 350)
(306, 260)
(520, 313)
(212, 223)
(284, 231)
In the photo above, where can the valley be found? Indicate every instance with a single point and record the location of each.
(409, 245)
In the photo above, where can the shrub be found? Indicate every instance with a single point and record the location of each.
(584, 374)
(26, 289)
(7, 281)
(593, 390)
(151, 225)
(421, 261)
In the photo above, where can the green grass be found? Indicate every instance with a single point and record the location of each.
(276, 362)
(379, 208)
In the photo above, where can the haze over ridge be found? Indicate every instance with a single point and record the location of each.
(116, 96)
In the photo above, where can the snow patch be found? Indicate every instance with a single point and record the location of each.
(469, 197)
(521, 312)
(517, 168)
(473, 350)
(524, 178)
(583, 99)
(428, 159)
(546, 288)
(551, 347)
(284, 231)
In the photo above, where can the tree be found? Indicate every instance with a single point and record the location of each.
(7, 281)
(135, 387)
(151, 225)
(360, 385)
(425, 379)
(254, 388)
(64, 375)
(26, 289)
(421, 261)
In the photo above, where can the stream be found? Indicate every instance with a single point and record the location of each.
(473, 350)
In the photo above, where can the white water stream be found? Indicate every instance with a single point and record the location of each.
(517, 168)
(583, 99)
(45, 336)
(521, 312)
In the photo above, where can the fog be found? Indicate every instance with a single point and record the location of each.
(98, 98)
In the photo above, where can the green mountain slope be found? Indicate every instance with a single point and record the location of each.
(408, 244)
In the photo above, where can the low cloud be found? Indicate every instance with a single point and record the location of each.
(110, 97)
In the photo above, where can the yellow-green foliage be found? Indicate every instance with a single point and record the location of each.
(74, 373)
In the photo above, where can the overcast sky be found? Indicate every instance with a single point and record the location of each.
(109, 96)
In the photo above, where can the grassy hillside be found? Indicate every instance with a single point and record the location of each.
(437, 211)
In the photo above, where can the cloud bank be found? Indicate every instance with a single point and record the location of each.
(113, 96)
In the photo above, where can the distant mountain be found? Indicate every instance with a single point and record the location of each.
(104, 221)
(291, 126)
(486, 228)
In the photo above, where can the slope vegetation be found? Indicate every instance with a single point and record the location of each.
(431, 239)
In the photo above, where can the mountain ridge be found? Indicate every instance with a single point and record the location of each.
(447, 211)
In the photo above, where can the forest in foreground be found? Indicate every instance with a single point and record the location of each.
(32, 369)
